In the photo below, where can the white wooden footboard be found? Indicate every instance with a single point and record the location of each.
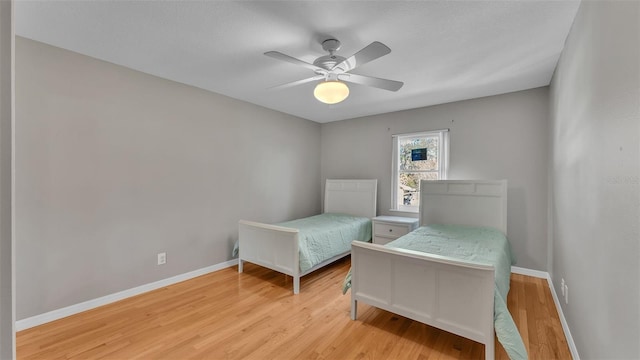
(274, 247)
(439, 291)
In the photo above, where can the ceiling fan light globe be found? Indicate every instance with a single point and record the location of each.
(331, 92)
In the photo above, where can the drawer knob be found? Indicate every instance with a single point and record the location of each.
(390, 230)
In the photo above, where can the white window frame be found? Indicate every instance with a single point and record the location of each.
(443, 163)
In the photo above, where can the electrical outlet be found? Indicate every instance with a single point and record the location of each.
(162, 258)
(566, 294)
(562, 287)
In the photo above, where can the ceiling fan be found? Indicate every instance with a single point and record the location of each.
(331, 70)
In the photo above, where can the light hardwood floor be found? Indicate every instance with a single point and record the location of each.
(226, 315)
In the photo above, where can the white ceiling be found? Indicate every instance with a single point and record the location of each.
(443, 51)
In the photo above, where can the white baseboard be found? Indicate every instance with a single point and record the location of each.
(104, 300)
(563, 321)
(529, 272)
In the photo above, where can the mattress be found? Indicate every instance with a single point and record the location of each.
(324, 236)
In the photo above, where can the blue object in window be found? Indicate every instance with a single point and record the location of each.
(419, 154)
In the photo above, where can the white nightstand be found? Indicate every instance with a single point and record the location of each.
(389, 228)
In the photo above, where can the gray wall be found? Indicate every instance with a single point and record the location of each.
(7, 338)
(114, 166)
(595, 162)
(497, 137)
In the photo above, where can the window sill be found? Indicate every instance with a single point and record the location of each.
(408, 212)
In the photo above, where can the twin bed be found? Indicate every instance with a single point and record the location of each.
(298, 247)
(452, 273)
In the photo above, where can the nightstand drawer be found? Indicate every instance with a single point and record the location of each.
(388, 230)
(381, 240)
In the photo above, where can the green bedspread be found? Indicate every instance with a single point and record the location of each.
(324, 236)
(478, 244)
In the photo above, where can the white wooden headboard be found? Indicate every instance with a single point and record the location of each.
(353, 197)
(464, 202)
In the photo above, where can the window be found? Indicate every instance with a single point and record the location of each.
(417, 156)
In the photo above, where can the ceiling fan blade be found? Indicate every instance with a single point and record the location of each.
(385, 84)
(298, 82)
(368, 53)
(289, 59)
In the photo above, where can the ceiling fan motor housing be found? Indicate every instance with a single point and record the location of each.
(329, 61)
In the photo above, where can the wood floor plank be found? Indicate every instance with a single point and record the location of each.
(253, 315)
